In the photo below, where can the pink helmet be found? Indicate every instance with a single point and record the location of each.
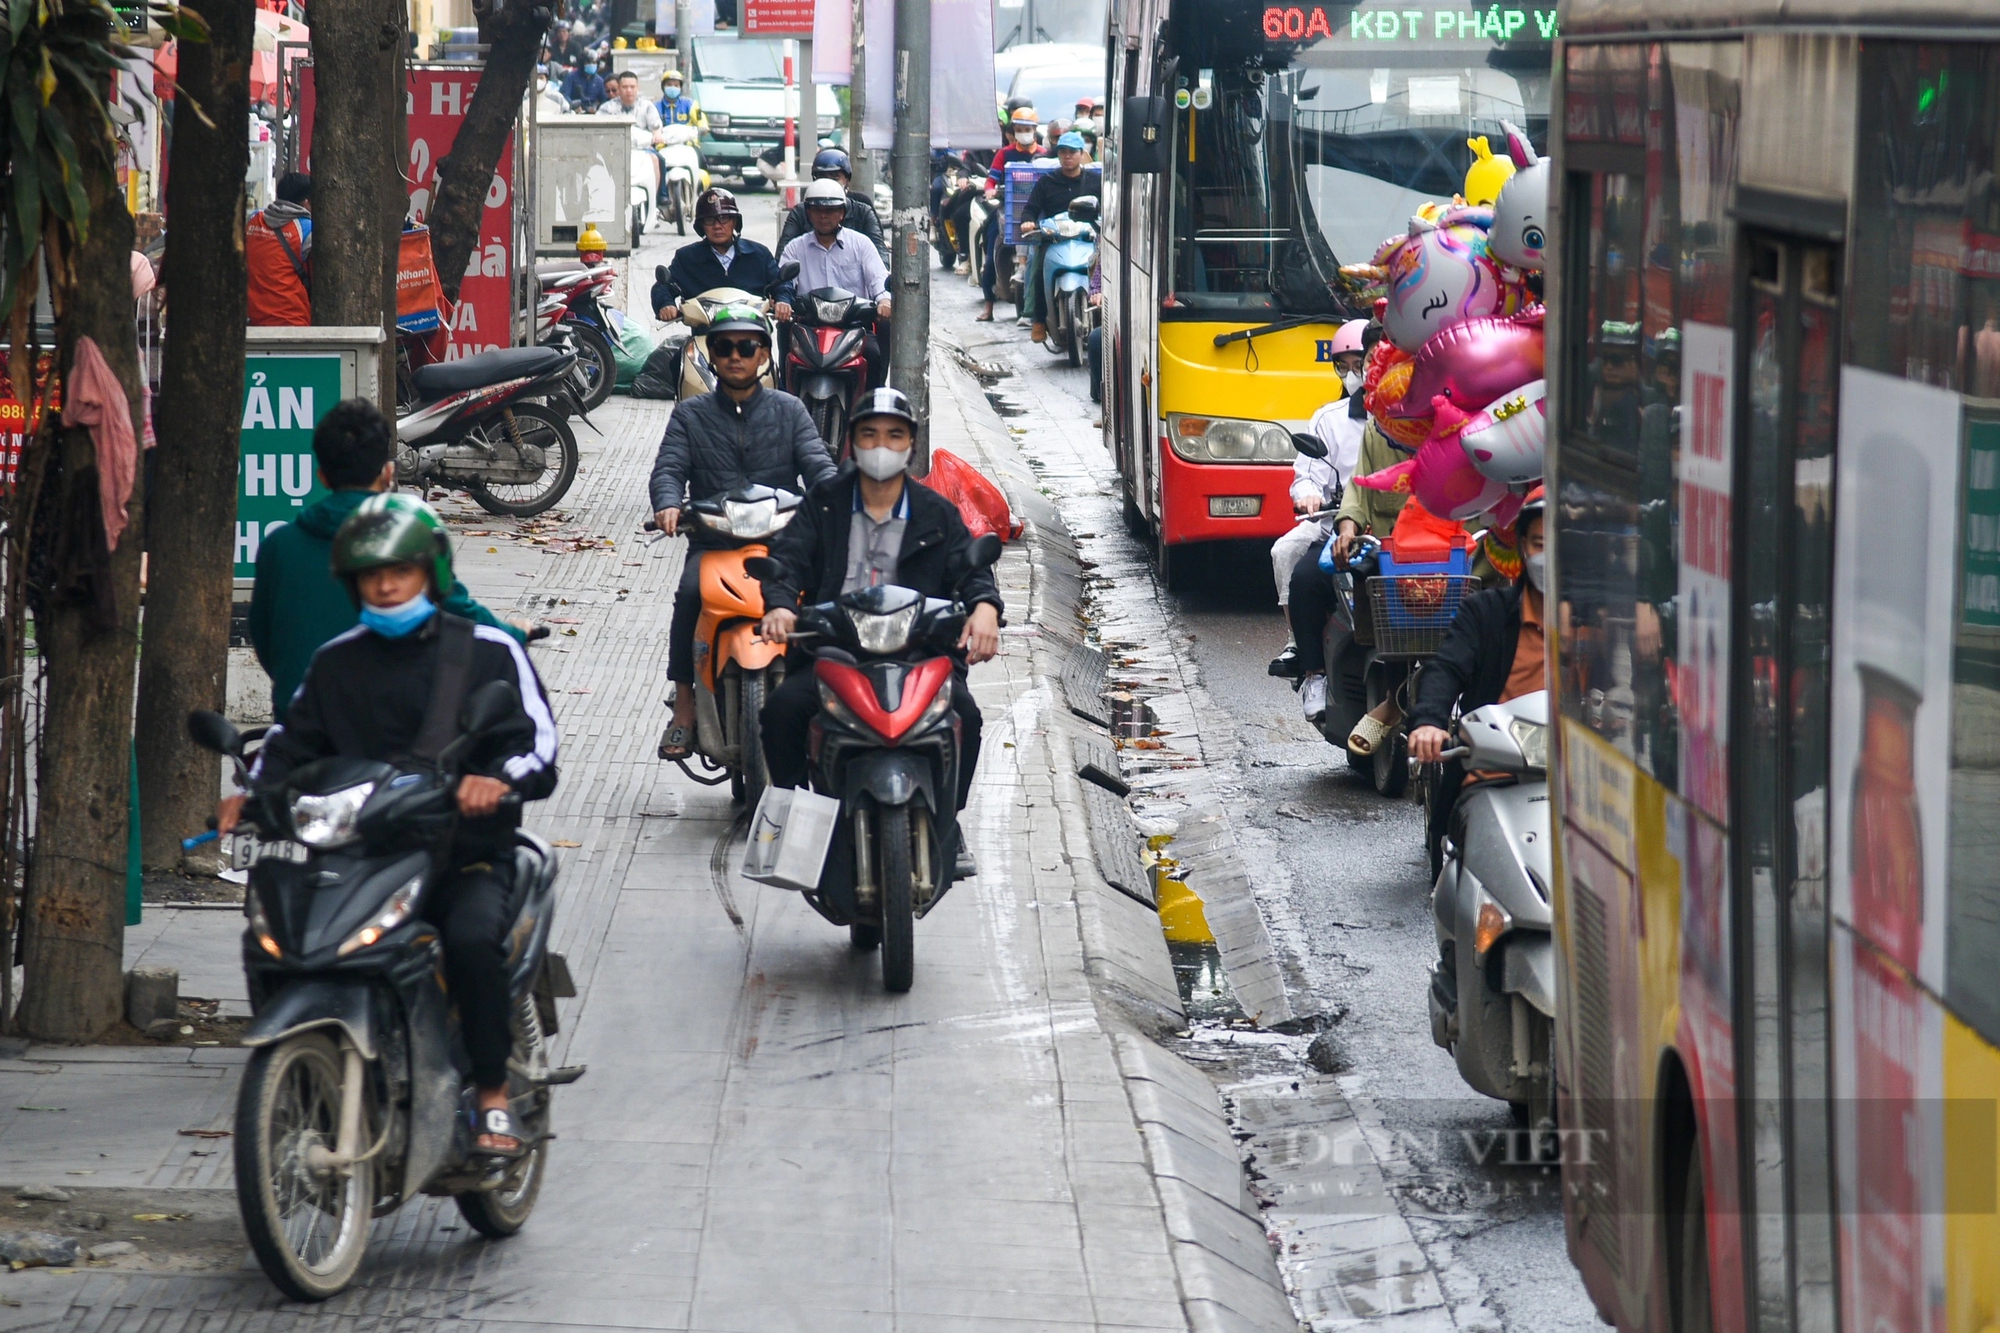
(1348, 339)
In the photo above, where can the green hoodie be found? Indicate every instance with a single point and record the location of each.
(298, 604)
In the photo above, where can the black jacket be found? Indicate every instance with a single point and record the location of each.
(1053, 192)
(860, 217)
(1472, 666)
(934, 560)
(696, 270)
(714, 444)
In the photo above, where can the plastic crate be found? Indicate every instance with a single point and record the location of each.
(1021, 178)
(1412, 612)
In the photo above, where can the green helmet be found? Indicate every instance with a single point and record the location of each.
(393, 529)
(738, 318)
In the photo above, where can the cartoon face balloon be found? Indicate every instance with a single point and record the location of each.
(1487, 174)
(1438, 276)
(1504, 439)
(1520, 217)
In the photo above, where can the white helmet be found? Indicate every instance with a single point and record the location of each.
(825, 192)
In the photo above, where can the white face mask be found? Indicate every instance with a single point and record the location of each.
(881, 463)
(1536, 568)
(1351, 380)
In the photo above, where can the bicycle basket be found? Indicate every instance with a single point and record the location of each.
(1413, 611)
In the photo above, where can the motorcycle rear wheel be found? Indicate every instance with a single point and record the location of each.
(499, 1213)
(538, 426)
(599, 360)
(892, 856)
(308, 1231)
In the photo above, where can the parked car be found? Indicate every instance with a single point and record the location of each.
(740, 83)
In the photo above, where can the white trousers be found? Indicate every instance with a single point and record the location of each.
(1288, 550)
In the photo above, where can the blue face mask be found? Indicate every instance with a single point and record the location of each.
(393, 622)
(589, 69)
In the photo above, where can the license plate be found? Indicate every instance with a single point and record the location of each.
(247, 851)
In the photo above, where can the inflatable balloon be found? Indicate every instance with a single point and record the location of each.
(1438, 276)
(1474, 362)
(1442, 478)
(1385, 378)
(1487, 175)
(1520, 214)
(1505, 439)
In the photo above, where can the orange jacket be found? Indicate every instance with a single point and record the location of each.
(277, 249)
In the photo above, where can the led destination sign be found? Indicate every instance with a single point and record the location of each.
(1294, 23)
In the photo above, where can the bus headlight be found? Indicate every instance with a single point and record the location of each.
(1228, 440)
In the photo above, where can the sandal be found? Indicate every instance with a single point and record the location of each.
(986, 318)
(499, 1124)
(1367, 734)
(676, 743)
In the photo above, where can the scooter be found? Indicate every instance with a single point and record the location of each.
(951, 235)
(986, 221)
(826, 362)
(357, 1096)
(1069, 252)
(1493, 990)
(697, 377)
(475, 426)
(646, 182)
(885, 744)
(680, 154)
(582, 289)
(735, 670)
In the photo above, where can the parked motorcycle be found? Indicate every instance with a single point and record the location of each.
(735, 670)
(582, 289)
(1493, 990)
(826, 362)
(475, 426)
(357, 1095)
(680, 152)
(1069, 251)
(885, 745)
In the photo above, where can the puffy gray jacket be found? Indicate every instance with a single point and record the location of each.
(714, 444)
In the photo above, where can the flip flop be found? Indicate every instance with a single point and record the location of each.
(980, 319)
(676, 738)
(498, 1124)
(1367, 734)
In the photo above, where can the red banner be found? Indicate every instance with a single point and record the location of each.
(778, 18)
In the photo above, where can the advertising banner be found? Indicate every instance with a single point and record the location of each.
(483, 318)
(777, 18)
(1701, 657)
(962, 113)
(284, 396)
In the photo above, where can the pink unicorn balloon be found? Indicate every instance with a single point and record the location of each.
(1474, 362)
(1438, 276)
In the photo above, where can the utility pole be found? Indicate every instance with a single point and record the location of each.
(683, 42)
(857, 110)
(910, 178)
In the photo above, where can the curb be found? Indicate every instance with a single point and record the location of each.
(1222, 1256)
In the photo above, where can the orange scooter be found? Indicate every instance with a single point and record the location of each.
(735, 671)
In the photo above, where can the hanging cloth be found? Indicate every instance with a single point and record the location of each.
(93, 397)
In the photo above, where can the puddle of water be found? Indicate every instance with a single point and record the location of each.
(1130, 717)
(1205, 992)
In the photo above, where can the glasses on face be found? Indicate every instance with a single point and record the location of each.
(722, 348)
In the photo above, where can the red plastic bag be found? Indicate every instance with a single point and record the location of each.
(979, 501)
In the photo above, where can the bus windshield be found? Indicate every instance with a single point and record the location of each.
(1294, 157)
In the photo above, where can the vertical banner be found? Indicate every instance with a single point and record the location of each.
(962, 102)
(483, 319)
(702, 18)
(1701, 656)
(833, 42)
(284, 396)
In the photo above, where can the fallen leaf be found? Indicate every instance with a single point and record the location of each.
(565, 842)
(492, 550)
(570, 632)
(579, 691)
(41, 1108)
(564, 620)
(162, 1217)
(91, 1172)
(1143, 744)
(207, 1133)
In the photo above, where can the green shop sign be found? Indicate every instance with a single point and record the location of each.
(284, 396)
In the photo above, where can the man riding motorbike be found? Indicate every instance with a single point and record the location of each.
(725, 258)
(676, 107)
(368, 695)
(741, 435)
(835, 255)
(866, 526)
(1318, 482)
(831, 164)
(646, 122)
(1052, 195)
(1493, 652)
(1019, 147)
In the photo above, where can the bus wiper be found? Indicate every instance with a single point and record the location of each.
(1288, 322)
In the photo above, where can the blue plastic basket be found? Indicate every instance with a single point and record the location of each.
(1413, 611)
(1021, 178)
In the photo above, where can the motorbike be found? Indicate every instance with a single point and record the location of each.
(681, 155)
(885, 744)
(475, 426)
(357, 1095)
(647, 178)
(985, 220)
(951, 237)
(1492, 996)
(697, 377)
(826, 362)
(735, 670)
(1069, 251)
(581, 289)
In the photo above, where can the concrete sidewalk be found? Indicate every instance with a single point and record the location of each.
(765, 1139)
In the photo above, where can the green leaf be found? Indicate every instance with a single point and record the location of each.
(182, 23)
(20, 13)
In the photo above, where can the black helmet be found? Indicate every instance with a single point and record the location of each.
(883, 403)
(830, 162)
(714, 203)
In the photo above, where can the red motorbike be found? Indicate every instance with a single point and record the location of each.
(826, 361)
(886, 744)
(573, 298)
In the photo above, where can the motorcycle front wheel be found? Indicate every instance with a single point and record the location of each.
(683, 204)
(543, 428)
(308, 1229)
(1079, 320)
(598, 359)
(830, 416)
(892, 857)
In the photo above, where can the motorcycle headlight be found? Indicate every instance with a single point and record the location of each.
(1228, 440)
(751, 518)
(330, 820)
(829, 312)
(1533, 738)
(393, 914)
(1067, 230)
(887, 633)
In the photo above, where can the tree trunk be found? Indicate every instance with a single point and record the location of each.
(353, 49)
(74, 929)
(185, 662)
(395, 205)
(513, 32)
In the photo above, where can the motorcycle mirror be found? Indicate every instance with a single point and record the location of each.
(1309, 445)
(762, 568)
(659, 272)
(985, 550)
(786, 272)
(212, 731)
(488, 706)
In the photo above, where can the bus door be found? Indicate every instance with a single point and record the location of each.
(1789, 341)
